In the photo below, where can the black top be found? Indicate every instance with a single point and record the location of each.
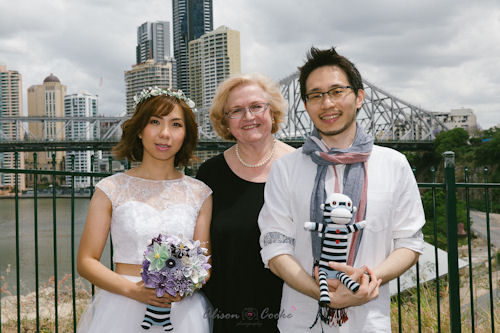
(245, 296)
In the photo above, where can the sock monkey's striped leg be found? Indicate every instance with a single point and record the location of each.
(324, 298)
(348, 282)
(157, 316)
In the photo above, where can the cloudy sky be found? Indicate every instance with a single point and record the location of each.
(439, 55)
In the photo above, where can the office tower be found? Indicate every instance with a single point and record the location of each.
(191, 19)
(79, 105)
(148, 74)
(11, 106)
(153, 42)
(46, 100)
(212, 58)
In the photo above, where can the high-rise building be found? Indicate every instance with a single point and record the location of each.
(46, 100)
(191, 19)
(153, 42)
(11, 106)
(80, 104)
(148, 74)
(212, 58)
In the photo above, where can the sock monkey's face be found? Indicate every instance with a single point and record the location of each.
(339, 208)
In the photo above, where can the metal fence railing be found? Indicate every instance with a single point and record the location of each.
(64, 209)
(455, 314)
(53, 194)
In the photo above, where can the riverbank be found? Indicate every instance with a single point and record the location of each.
(46, 307)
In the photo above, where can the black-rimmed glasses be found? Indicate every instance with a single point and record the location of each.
(333, 94)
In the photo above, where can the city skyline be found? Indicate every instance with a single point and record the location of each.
(438, 56)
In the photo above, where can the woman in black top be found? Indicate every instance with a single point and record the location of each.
(245, 295)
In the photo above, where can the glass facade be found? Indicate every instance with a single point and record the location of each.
(191, 19)
(153, 42)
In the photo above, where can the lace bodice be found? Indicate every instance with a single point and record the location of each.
(143, 208)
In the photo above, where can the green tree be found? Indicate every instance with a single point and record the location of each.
(490, 132)
(456, 140)
(488, 153)
(440, 214)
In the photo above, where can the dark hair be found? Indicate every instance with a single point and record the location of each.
(130, 146)
(319, 58)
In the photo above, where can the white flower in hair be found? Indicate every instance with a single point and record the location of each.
(156, 91)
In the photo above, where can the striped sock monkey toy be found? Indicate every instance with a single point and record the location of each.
(337, 213)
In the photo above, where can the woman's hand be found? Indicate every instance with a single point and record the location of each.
(148, 296)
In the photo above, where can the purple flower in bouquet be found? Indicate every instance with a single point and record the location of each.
(174, 265)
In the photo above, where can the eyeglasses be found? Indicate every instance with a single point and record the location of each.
(254, 109)
(334, 94)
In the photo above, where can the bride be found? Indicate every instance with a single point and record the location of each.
(136, 206)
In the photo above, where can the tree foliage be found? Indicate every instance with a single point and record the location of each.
(488, 153)
(456, 140)
(439, 212)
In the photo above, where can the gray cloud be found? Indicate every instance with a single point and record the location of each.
(438, 55)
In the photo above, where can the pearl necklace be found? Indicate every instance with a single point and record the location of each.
(261, 163)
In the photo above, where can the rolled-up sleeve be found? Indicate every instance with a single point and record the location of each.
(409, 213)
(277, 230)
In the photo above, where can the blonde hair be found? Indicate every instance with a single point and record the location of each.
(276, 101)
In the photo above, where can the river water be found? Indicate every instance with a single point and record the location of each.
(45, 241)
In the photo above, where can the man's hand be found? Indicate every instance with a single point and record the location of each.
(332, 283)
(342, 297)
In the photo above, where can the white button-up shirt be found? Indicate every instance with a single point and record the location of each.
(394, 220)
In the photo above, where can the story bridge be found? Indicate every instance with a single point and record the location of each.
(392, 121)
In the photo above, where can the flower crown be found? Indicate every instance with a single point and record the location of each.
(155, 91)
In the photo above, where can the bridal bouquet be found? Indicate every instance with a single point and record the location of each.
(173, 265)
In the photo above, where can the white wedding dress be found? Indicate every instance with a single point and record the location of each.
(142, 209)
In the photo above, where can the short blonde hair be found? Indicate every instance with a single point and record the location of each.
(276, 101)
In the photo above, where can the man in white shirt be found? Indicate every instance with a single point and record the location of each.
(339, 157)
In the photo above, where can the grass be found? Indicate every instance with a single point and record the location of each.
(46, 306)
(428, 304)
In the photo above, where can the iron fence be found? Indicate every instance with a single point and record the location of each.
(450, 282)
